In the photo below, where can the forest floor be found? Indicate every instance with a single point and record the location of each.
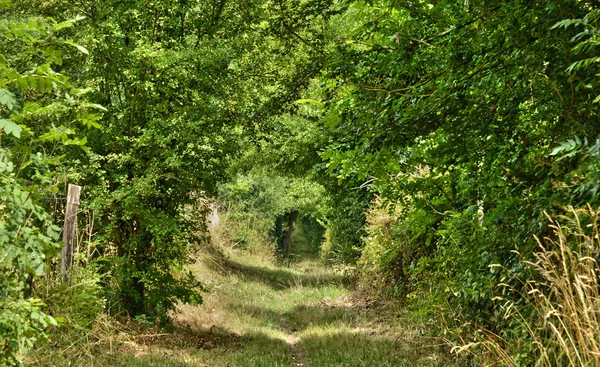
(257, 313)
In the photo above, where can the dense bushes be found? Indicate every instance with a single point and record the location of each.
(485, 125)
(531, 308)
(254, 203)
(41, 113)
(27, 239)
(345, 222)
(443, 272)
(551, 311)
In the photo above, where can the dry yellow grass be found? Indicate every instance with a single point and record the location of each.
(565, 293)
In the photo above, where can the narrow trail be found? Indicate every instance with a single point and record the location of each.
(298, 353)
(257, 313)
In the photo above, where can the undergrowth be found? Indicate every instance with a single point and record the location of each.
(560, 320)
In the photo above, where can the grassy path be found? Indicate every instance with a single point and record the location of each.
(260, 314)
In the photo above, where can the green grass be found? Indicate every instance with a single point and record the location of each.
(257, 313)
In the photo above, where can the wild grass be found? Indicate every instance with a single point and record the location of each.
(259, 311)
(569, 296)
(243, 230)
(564, 293)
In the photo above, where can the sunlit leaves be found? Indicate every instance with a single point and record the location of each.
(30, 31)
(68, 23)
(10, 127)
(79, 47)
(7, 99)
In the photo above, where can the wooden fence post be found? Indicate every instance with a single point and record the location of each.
(69, 228)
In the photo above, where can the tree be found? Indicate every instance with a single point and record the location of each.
(449, 111)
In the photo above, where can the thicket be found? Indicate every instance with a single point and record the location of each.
(259, 205)
(468, 121)
(42, 113)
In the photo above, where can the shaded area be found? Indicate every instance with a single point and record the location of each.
(301, 317)
(278, 279)
(187, 337)
(211, 347)
(281, 278)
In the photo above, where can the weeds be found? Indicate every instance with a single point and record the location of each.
(564, 297)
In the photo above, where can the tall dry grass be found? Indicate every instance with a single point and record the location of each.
(563, 291)
(569, 296)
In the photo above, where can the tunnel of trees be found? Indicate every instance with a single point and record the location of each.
(426, 143)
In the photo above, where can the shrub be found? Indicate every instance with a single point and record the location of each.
(27, 239)
(382, 261)
(76, 303)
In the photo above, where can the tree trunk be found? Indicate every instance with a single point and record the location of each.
(287, 240)
(278, 233)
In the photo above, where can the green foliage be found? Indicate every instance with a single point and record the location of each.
(466, 120)
(589, 40)
(584, 178)
(259, 201)
(77, 302)
(22, 325)
(33, 96)
(262, 193)
(177, 84)
(313, 231)
(449, 111)
(181, 82)
(27, 239)
(345, 223)
(382, 262)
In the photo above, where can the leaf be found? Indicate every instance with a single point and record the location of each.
(68, 23)
(313, 102)
(83, 49)
(10, 127)
(94, 105)
(39, 270)
(22, 82)
(8, 99)
(563, 23)
(79, 47)
(80, 92)
(51, 320)
(88, 119)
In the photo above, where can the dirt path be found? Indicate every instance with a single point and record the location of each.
(256, 313)
(298, 353)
